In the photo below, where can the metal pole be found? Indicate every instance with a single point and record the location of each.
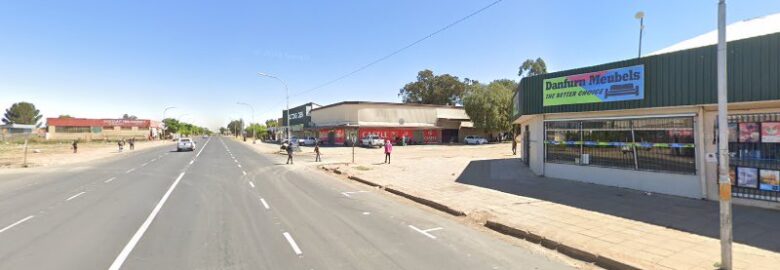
(641, 28)
(287, 94)
(165, 127)
(24, 162)
(723, 148)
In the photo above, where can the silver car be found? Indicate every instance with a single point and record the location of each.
(185, 144)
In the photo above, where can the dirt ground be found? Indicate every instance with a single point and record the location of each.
(48, 154)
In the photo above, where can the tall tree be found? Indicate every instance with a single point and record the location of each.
(490, 106)
(271, 123)
(259, 130)
(222, 130)
(23, 113)
(235, 127)
(171, 125)
(532, 68)
(442, 89)
(129, 117)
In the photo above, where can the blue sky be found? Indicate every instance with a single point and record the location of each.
(107, 58)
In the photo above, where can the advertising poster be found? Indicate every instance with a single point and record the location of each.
(770, 132)
(748, 132)
(747, 177)
(618, 84)
(770, 180)
(733, 132)
(733, 175)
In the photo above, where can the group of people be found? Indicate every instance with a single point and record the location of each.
(388, 150)
(130, 142)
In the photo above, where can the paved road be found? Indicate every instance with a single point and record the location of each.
(227, 207)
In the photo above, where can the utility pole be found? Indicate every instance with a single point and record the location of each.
(254, 136)
(287, 94)
(724, 183)
(641, 16)
(164, 126)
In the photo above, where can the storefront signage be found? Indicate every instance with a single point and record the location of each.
(618, 84)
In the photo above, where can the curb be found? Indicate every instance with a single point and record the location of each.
(364, 181)
(576, 253)
(427, 202)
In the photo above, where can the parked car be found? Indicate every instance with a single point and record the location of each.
(372, 140)
(309, 141)
(185, 144)
(474, 140)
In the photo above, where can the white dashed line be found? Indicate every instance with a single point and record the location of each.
(349, 193)
(244, 172)
(239, 165)
(294, 246)
(74, 196)
(16, 223)
(425, 232)
(109, 180)
(251, 184)
(120, 259)
(192, 161)
(130, 170)
(144, 165)
(265, 204)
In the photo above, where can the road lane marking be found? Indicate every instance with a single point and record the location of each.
(234, 160)
(294, 246)
(239, 165)
(425, 232)
(130, 170)
(348, 193)
(16, 223)
(74, 196)
(265, 204)
(120, 259)
(109, 180)
(192, 161)
(144, 164)
(244, 172)
(252, 184)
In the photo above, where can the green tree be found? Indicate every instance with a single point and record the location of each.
(433, 89)
(490, 106)
(129, 117)
(222, 130)
(65, 116)
(23, 113)
(259, 130)
(271, 123)
(532, 68)
(235, 127)
(171, 125)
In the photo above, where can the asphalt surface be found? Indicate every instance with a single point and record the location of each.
(224, 206)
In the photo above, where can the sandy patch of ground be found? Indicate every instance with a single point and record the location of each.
(49, 154)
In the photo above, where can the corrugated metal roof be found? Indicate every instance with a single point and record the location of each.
(760, 26)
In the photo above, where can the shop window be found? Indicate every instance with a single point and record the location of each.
(648, 144)
(754, 149)
(71, 129)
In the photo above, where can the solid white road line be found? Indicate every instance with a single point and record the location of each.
(109, 180)
(192, 161)
(244, 172)
(16, 223)
(294, 246)
(130, 170)
(74, 196)
(265, 204)
(349, 193)
(425, 232)
(251, 184)
(120, 259)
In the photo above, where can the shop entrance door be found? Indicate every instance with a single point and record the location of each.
(331, 138)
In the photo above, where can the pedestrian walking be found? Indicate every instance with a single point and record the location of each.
(514, 145)
(131, 142)
(75, 146)
(289, 154)
(121, 144)
(317, 151)
(388, 150)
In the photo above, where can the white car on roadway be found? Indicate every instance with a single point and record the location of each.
(309, 141)
(474, 140)
(372, 140)
(185, 144)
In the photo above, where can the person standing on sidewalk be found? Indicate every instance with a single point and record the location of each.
(131, 142)
(388, 150)
(75, 146)
(514, 145)
(289, 154)
(317, 152)
(120, 143)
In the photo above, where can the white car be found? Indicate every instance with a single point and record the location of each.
(309, 141)
(474, 140)
(372, 140)
(185, 144)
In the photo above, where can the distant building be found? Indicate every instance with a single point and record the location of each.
(101, 129)
(16, 131)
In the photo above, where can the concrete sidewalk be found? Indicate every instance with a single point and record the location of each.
(617, 228)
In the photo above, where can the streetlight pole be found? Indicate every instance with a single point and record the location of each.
(165, 127)
(724, 183)
(254, 136)
(287, 94)
(641, 16)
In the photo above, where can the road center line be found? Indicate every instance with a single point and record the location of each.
(244, 172)
(251, 184)
(265, 204)
(16, 223)
(144, 164)
(74, 196)
(192, 161)
(120, 259)
(109, 180)
(239, 165)
(130, 170)
(294, 246)
(425, 232)
(349, 193)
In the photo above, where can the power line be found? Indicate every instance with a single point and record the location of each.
(387, 56)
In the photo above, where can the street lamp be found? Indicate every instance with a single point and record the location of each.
(165, 127)
(641, 17)
(287, 93)
(254, 136)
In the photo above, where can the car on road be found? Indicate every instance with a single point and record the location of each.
(185, 144)
(372, 140)
(474, 140)
(309, 141)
